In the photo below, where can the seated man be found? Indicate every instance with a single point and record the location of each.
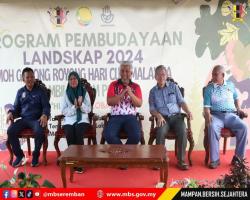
(165, 103)
(221, 105)
(32, 105)
(123, 97)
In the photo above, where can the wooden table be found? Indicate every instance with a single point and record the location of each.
(114, 156)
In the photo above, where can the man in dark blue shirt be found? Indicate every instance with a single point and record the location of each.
(32, 105)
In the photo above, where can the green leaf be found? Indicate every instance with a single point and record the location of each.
(48, 184)
(228, 34)
(35, 176)
(21, 175)
(22, 183)
(5, 184)
(34, 184)
(3, 166)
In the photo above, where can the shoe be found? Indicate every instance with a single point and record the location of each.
(236, 160)
(123, 167)
(78, 170)
(35, 161)
(214, 164)
(182, 165)
(156, 168)
(20, 161)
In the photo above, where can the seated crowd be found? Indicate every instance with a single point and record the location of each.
(124, 96)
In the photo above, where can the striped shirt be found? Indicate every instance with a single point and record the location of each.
(166, 100)
(220, 97)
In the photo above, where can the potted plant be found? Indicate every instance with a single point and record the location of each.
(23, 179)
(239, 177)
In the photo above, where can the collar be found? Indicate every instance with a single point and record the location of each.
(26, 89)
(119, 81)
(166, 85)
(217, 85)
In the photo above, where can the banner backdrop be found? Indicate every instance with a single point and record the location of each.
(93, 37)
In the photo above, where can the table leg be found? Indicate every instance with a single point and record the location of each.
(165, 164)
(71, 174)
(161, 172)
(63, 173)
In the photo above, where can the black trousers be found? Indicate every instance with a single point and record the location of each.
(176, 123)
(18, 126)
(75, 133)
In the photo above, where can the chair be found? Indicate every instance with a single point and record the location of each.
(123, 134)
(90, 134)
(225, 133)
(28, 133)
(171, 134)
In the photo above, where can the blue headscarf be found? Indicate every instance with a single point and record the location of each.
(74, 93)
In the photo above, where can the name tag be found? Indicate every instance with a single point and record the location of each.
(23, 95)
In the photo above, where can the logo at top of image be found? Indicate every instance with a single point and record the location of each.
(107, 16)
(58, 16)
(237, 10)
(84, 16)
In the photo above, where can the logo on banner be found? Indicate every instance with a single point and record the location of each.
(107, 16)
(58, 16)
(84, 16)
(237, 10)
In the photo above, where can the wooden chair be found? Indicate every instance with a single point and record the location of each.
(90, 134)
(225, 133)
(28, 133)
(171, 134)
(123, 134)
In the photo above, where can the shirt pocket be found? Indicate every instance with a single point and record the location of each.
(173, 108)
(171, 98)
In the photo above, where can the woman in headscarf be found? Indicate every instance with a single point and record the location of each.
(75, 106)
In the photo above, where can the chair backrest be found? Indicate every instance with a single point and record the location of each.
(203, 89)
(181, 88)
(40, 84)
(92, 95)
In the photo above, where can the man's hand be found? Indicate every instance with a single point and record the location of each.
(208, 120)
(129, 90)
(124, 91)
(241, 113)
(9, 117)
(189, 115)
(207, 116)
(43, 120)
(160, 120)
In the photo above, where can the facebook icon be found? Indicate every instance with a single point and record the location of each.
(6, 194)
